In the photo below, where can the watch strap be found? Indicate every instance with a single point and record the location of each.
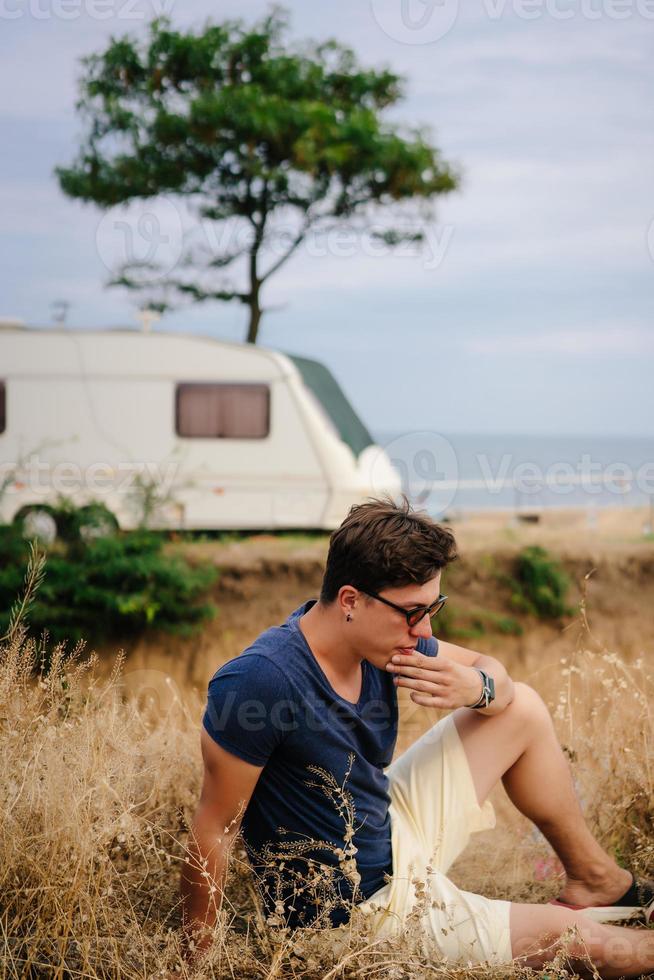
(487, 691)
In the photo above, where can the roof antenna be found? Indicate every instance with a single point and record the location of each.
(147, 317)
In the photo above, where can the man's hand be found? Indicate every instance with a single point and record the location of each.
(436, 682)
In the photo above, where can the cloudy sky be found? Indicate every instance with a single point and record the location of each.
(532, 308)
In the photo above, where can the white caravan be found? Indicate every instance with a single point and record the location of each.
(186, 431)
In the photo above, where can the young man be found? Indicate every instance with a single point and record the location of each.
(298, 738)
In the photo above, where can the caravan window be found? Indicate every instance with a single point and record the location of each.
(223, 411)
(3, 407)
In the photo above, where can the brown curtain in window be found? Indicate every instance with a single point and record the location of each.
(244, 411)
(198, 410)
(223, 411)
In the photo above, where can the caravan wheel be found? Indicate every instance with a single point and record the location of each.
(37, 522)
(96, 521)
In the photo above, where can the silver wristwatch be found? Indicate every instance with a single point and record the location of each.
(487, 691)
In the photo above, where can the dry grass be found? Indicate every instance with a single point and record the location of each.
(98, 788)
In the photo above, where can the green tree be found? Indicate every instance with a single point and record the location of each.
(249, 133)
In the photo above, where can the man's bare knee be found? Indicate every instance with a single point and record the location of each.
(528, 707)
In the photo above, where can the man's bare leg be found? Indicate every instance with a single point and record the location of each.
(536, 932)
(520, 747)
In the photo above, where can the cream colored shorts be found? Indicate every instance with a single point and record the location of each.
(433, 811)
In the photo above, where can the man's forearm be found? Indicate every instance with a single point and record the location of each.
(503, 684)
(202, 883)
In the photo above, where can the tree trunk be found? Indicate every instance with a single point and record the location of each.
(255, 317)
(255, 286)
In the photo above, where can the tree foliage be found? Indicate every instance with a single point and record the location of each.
(251, 134)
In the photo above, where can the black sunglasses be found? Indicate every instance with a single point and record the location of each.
(414, 615)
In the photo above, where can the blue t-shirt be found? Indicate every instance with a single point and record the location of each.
(324, 759)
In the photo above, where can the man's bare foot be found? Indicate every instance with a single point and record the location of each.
(603, 889)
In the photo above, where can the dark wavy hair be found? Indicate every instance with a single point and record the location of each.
(382, 544)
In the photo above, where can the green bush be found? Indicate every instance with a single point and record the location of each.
(485, 620)
(455, 624)
(539, 584)
(106, 587)
(445, 624)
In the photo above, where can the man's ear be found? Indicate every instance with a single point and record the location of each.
(347, 599)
